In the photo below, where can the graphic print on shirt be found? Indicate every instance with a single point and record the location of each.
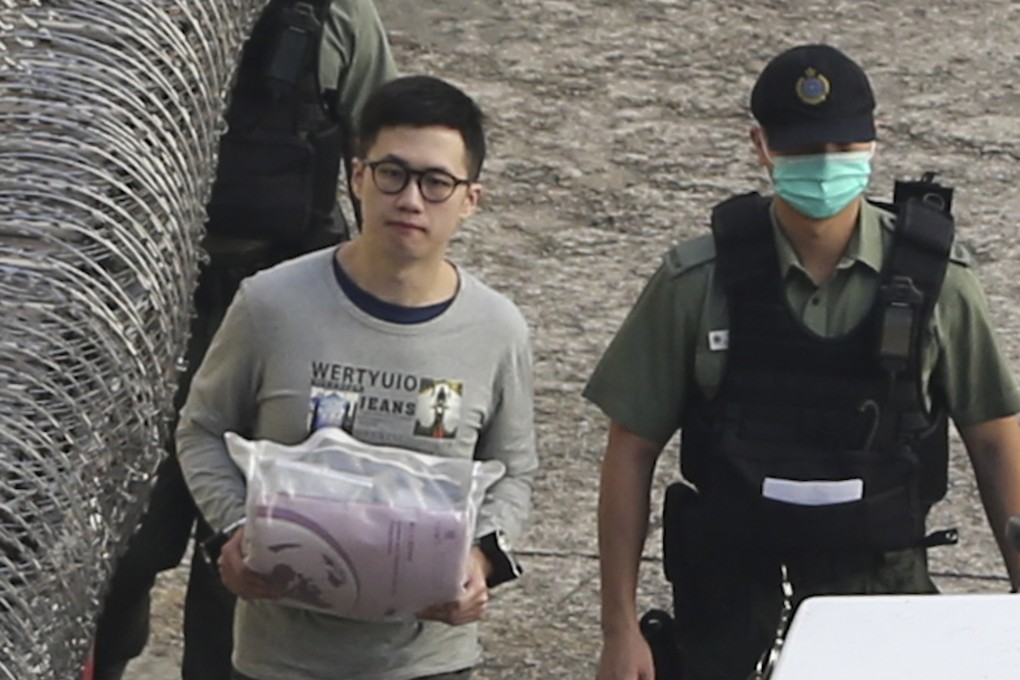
(438, 408)
(333, 408)
(384, 407)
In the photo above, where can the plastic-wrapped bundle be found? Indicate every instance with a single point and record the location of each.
(356, 530)
(109, 117)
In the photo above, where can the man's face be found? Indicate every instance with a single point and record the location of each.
(406, 224)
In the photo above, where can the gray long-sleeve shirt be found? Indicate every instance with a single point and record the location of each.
(294, 353)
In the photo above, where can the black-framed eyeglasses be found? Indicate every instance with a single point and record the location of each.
(392, 177)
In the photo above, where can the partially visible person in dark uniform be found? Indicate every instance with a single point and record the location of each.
(304, 74)
(809, 351)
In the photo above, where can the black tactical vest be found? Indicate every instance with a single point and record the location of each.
(279, 159)
(817, 443)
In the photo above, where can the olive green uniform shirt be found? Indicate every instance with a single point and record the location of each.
(354, 57)
(673, 339)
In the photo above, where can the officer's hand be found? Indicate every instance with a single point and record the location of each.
(626, 656)
(470, 606)
(239, 579)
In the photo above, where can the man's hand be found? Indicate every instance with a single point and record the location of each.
(470, 606)
(239, 579)
(624, 491)
(626, 656)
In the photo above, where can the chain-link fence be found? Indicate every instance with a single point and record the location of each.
(109, 114)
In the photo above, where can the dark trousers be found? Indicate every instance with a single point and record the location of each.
(123, 626)
(728, 595)
(159, 544)
(208, 623)
(163, 535)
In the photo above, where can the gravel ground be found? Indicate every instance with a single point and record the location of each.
(614, 128)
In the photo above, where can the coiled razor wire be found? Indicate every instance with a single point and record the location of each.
(110, 112)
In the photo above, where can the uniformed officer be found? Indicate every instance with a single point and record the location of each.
(788, 350)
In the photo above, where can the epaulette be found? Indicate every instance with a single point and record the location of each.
(961, 255)
(689, 254)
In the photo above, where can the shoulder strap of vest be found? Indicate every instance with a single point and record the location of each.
(742, 230)
(912, 279)
(911, 282)
(297, 40)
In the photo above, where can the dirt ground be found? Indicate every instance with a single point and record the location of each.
(614, 128)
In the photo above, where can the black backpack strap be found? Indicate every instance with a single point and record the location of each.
(911, 283)
(299, 42)
(280, 157)
(912, 280)
(296, 44)
(742, 231)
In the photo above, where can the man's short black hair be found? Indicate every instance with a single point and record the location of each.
(424, 101)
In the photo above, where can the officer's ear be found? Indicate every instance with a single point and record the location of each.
(760, 145)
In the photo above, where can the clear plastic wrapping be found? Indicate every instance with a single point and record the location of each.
(357, 530)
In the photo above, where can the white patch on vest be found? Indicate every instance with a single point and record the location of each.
(719, 340)
(799, 492)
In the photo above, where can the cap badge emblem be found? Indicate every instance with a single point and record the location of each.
(812, 87)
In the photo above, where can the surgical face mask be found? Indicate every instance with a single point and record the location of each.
(821, 185)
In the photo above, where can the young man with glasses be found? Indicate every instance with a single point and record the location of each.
(426, 356)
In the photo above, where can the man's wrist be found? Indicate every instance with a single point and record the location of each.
(214, 544)
(232, 528)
